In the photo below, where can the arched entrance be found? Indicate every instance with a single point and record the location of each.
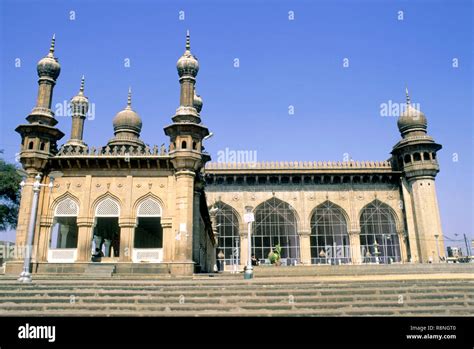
(148, 237)
(228, 229)
(64, 232)
(378, 234)
(329, 238)
(275, 224)
(106, 233)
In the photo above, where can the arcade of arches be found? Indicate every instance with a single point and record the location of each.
(277, 222)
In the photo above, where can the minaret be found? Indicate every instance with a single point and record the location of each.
(186, 134)
(39, 137)
(415, 156)
(79, 108)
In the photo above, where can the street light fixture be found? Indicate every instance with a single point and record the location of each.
(25, 275)
(249, 218)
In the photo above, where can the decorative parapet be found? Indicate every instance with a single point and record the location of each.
(112, 151)
(299, 165)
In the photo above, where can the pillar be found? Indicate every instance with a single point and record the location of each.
(84, 239)
(127, 233)
(168, 238)
(184, 216)
(305, 246)
(354, 240)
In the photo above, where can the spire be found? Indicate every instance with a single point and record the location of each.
(129, 99)
(51, 48)
(188, 41)
(81, 90)
(407, 96)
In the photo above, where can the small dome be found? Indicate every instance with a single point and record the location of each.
(197, 103)
(49, 66)
(127, 119)
(80, 98)
(412, 120)
(187, 64)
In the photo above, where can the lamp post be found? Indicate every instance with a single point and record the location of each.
(249, 218)
(25, 275)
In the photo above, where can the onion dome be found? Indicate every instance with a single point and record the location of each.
(128, 120)
(187, 64)
(79, 99)
(197, 102)
(49, 66)
(411, 119)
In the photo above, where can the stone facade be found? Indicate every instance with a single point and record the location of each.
(163, 209)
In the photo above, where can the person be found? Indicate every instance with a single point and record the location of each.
(255, 261)
(97, 255)
(220, 258)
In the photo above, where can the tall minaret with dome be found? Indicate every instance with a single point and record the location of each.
(415, 156)
(186, 153)
(39, 136)
(79, 108)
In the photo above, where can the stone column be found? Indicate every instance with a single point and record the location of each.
(46, 223)
(354, 239)
(127, 233)
(24, 217)
(305, 246)
(168, 238)
(184, 216)
(197, 230)
(402, 238)
(84, 239)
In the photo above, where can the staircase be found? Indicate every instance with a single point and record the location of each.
(99, 270)
(409, 295)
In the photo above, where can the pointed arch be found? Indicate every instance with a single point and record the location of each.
(228, 226)
(61, 198)
(148, 196)
(329, 239)
(378, 233)
(107, 198)
(276, 223)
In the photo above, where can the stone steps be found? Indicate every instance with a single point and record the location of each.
(221, 296)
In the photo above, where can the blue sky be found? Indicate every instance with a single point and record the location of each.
(282, 63)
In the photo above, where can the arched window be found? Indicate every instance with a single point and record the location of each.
(329, 238)
(64, 231)
(228, 229)
(194, 146)
(184, 145)
(426, 156)
(416, 157)
(407, 159)
(148, 233)
(378, 234)
(42, 146)
(106, 228)
(30, 145)
(275, 224)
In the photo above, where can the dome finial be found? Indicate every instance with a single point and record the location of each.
(188, 41)
(51, 48)
(407, 95)
(81, 90)
(129, 99)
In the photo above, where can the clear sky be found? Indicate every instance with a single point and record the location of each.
(285, 59)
